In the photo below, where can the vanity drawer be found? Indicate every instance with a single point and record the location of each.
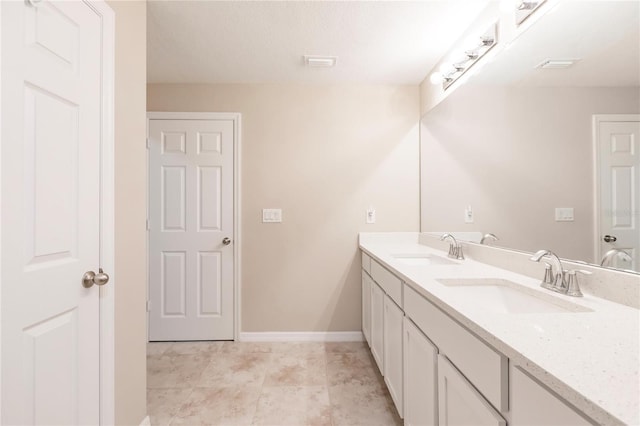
(366, 263)
(391, 284)
(486, 368)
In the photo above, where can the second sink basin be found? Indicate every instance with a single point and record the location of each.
(423, 259)
(504, 296)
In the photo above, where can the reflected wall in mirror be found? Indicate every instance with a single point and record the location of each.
(517, 142)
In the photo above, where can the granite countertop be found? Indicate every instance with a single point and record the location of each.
(589, 358)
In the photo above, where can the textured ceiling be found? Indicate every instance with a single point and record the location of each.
(396, 42)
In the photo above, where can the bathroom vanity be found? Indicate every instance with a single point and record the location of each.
(465, 342)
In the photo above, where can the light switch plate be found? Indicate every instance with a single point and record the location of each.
(564, 214)
(271, 215)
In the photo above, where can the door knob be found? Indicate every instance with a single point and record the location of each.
(90, 278)
(226, 241)
(609, 238)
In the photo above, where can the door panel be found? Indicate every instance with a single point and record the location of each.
(393, 352)
(459, 403)
(51, 133)
(420, 378)
(190, 213)
(619, 163)
(377, 325)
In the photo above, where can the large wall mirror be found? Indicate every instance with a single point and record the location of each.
(542, 144)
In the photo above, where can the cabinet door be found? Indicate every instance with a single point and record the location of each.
(420, 378)
(393, 373)
(377, 324)
(366, 307)
(527, 396)
(459, 403)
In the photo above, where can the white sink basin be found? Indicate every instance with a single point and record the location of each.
(423, 259)
(504, 296)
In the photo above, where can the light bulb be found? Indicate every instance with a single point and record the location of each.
(507, 6)
(436, 78)
(447, 69)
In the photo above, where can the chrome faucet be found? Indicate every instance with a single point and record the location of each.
(554, 273)
(613, 253)
(455, 249)
(488, 236)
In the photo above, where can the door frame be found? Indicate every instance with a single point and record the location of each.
(597, 120)
(107, 221)
(235, 117)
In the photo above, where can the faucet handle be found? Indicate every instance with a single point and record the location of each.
(548, 280)
(573, 288)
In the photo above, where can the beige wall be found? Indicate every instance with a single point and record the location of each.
(323, 154)
(130, 212)
(515, 155)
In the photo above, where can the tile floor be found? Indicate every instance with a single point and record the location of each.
(278, 384)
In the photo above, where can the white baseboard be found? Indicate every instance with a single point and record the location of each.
(146, 421)
(302, 336)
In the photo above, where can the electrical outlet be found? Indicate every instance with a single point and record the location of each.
(371, 215)
(468, 215)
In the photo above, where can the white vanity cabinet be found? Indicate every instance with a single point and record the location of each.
(420, 377)
(481, 364)
(459, 403)
(439, 372)
(377, 325)
(382, 324)
(393, 373)
(532, 404)
(366, 307)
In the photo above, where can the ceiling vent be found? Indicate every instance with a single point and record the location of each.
(320, 61)
(556, 64)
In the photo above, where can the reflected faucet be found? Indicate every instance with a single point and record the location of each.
(488, 236)
(557, 283)
(455, 249)
(613, 253)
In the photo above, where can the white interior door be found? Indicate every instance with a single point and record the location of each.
(191, 229)
(619, 171)
(50, 196)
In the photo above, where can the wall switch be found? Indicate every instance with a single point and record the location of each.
(468, 215)
(271, 215)
(371, 215)
(564, 214)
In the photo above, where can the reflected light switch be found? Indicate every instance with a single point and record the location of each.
(564, 214)
(271, 215)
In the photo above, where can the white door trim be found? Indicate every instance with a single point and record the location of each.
(107, 216)
(0, 221)
(235, 117)
(597, 119)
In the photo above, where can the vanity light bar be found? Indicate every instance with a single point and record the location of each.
(450, 72)
(525, 9)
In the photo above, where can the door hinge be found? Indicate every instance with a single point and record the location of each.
(147, 224)
(148, 144)
(148, 305)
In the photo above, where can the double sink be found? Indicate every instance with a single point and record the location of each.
(496, 295)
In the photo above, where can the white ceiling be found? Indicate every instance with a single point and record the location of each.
(395, 42)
